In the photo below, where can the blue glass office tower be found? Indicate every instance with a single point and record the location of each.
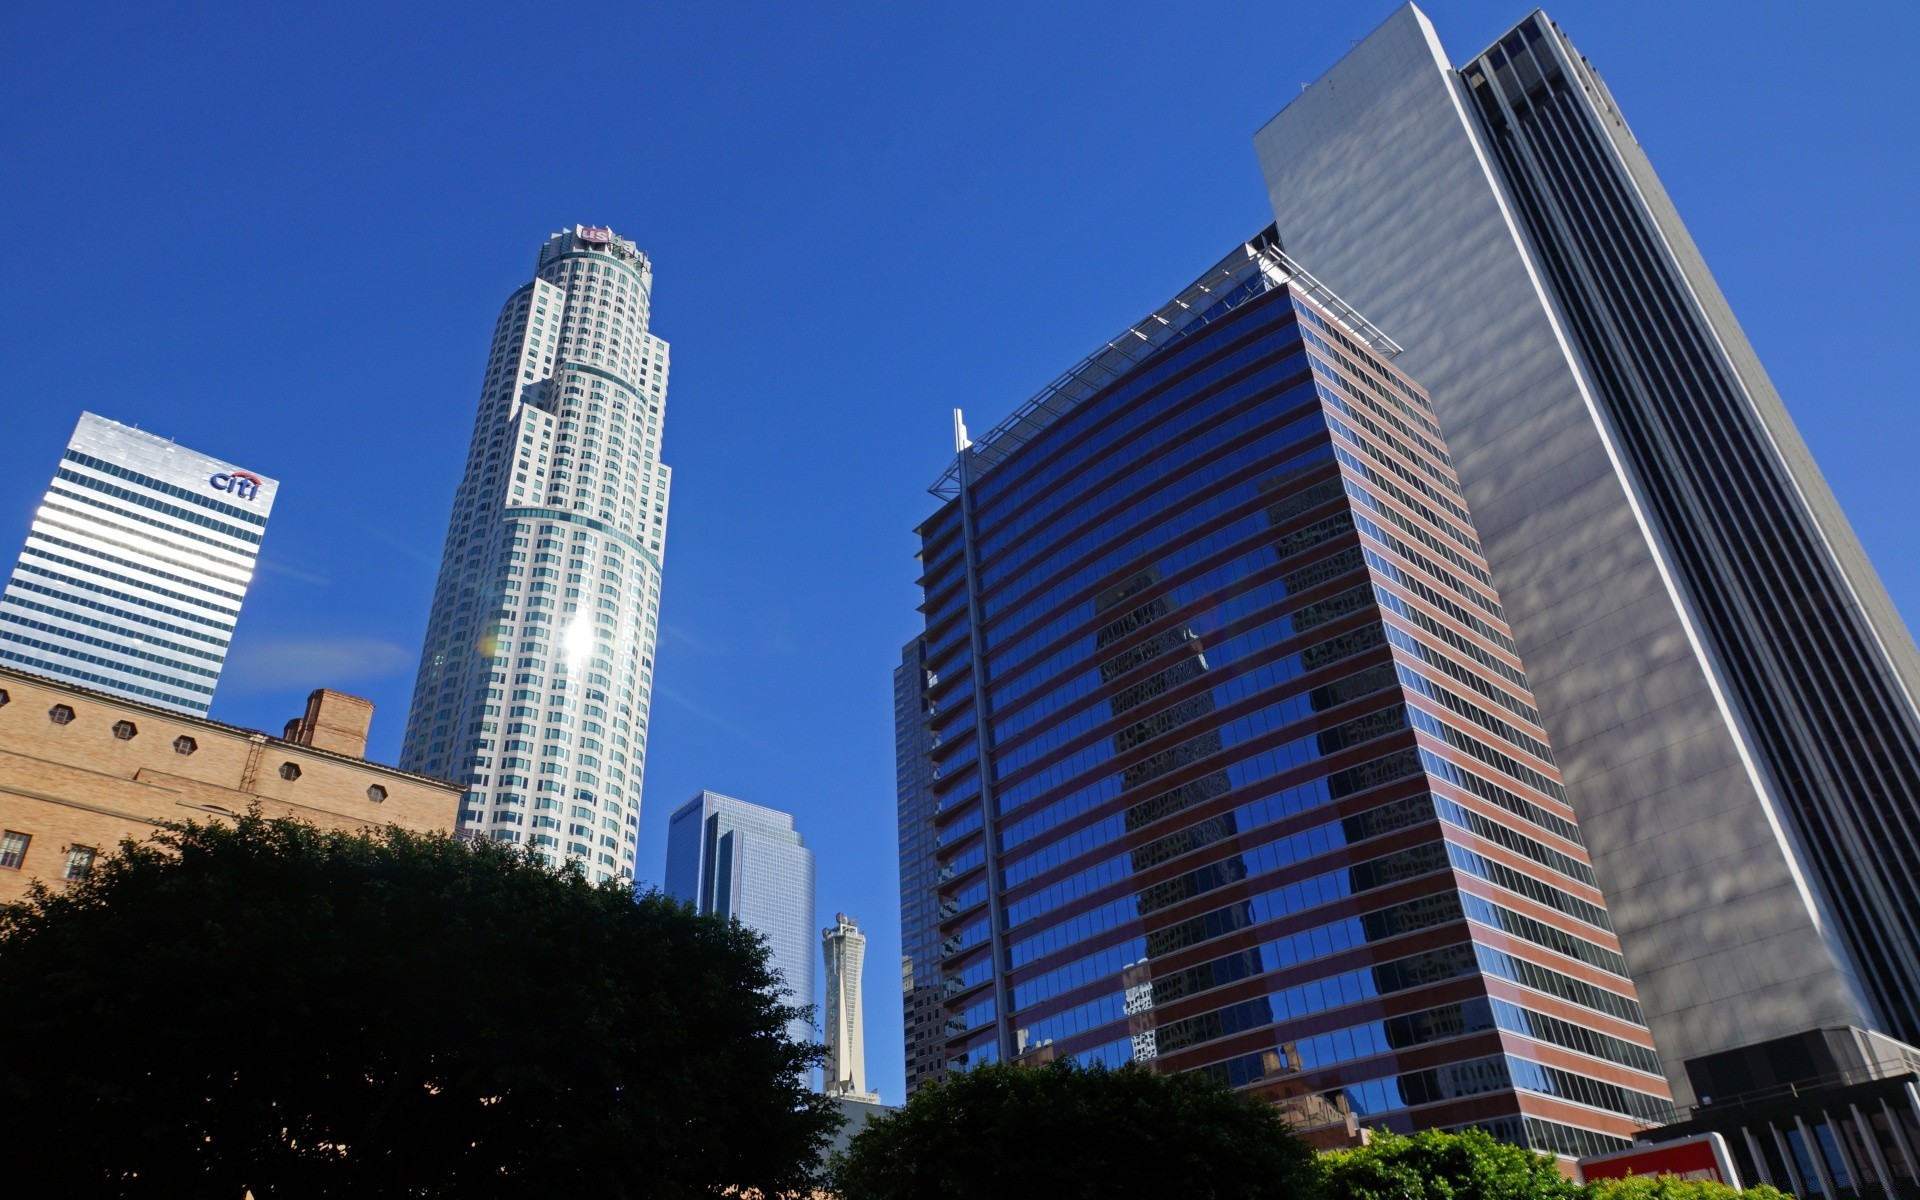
(919, 872)
(748, 863)
(1233, 767)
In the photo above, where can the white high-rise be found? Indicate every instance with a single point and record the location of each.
(537, 671)
(134, 570)
(845, 1072)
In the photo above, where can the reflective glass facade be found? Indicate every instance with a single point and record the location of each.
(1233, 766)
(919, 873)
(134, 570)
(1729, 685)
(748, 863)
(537, 670)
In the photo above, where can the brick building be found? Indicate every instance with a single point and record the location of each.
(80, 770)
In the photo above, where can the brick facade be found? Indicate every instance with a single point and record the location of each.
(113, 768)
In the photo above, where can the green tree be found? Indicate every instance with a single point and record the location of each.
(1672, 1187)
(267, 1006)
(1064, 1132)
(1469, 1165)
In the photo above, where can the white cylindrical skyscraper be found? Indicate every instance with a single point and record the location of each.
(537, 668)
(844, 1073)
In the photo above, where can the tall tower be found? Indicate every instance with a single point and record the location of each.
(748, 863)
(1728, 682)
(537, 671)
(134, 570)
(919, 871)
(845, 1074)
(1234, 766)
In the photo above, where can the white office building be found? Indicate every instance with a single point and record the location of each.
(537, 669)
(845, 1072)
(135, 567)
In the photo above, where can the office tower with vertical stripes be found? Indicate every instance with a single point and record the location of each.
(135, 567)
(537, 670)
(747, 862)
(1233, 766)
(1730, 686)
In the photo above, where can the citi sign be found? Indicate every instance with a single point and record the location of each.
(240, 483)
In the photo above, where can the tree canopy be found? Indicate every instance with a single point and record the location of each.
(1469, 1165)
(1064, 1132)
(1673, 1187)
(269, 1007)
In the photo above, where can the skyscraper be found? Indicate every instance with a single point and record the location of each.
(537, 669)
(844, 949)
(749, 864)
(919, 872)
(1729, 684)
(1234, 767)
(135, 567)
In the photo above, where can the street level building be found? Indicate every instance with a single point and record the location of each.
(747, 863)
(537, 670)
(1826, 1113)
(135, 567)
(1729, 686)
(82, 769)
(844, 1074)
(1235, 768)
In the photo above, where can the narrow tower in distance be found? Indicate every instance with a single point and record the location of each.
(135, 567)
(537, 670)
(748, 863)
(845, 1073)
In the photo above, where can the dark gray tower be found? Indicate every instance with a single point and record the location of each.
(1729, 686)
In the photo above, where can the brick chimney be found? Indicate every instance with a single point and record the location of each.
(334, 721)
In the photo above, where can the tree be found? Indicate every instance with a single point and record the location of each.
(271, 1007)
(1672, 1187)
(1469, 1165)
(1064, 1131)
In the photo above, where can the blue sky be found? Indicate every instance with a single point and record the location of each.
(280, 234)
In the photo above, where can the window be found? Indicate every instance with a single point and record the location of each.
(184, 745)
(13, 849)
(376, 793)
(289, 771)
(79, 862)
(124, 730)
(4, 697)
(60, 714)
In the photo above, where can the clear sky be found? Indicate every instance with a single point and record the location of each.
(281, 233)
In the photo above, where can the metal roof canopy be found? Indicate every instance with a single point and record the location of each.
(1253, 269)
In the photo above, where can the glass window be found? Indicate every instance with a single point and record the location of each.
(13, 849)
(79, 862)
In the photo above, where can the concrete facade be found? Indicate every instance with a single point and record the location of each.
(81, 770)
(1383, 175)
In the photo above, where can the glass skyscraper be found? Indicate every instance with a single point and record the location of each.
(537, 670)
(1233, 765)
(748, 863)
(919, 872)
(1730, 686)
(135, 567)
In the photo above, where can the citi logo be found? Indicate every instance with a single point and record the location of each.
(240, 483)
